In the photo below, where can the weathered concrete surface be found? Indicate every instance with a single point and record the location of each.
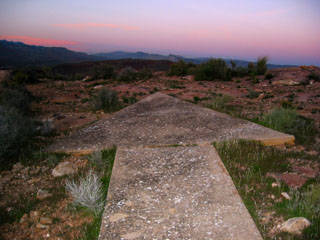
(160, 120)
(174, 193)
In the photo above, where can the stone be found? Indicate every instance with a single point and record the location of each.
(34, 215)
(43, 194)
(24, 218)
(286, 82)
(42, 226)
(295, 225)
(275, 185)
(17, 167)
(285, 195)
(45, 220)
(64, 168)
(117, 217)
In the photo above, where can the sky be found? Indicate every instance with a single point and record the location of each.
(287, 31)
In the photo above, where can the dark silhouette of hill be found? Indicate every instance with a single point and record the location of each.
(17, 54)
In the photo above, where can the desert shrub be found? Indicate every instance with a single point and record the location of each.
(222, 103)
(180, 68)
(19, 98)
(107, 72)
(106, 100)
(261, 67)
(288, 121)
(16, 133)
(96, 159)
(252, 94)
(87, 192)
(215, 69)
(129, 100)
(144, 74)
(314, 76)
(269, 76)
(127, 74)
(239, 72)
(25, 76)
(252, 68)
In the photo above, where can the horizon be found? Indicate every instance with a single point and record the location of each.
(287, 31)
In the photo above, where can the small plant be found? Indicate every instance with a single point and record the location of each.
(287, 120)
(87, 192)
(269, 76)
(221, 103)
(96, 159)
(127, 75)
(144, 74)
(181, 68)
(106, 100)
(19, 98)
(174, 84)
(261, 67)
(213, 70)
(16, 133)
(252, 94)
(129, 100)
(314, 76)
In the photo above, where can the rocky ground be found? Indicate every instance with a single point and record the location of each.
(35, 200)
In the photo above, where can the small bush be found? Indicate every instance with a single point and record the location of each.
(213, 70)
(106, 100)
(127, 75)
(288, 121)
(314, 76)
(261, 67)
(24, 76)
(252, 94)
(96, 159)
(181, 68)
(16, 133)
(144, 74)
(87, 192)
(240, 72)
(107, 72)
(269, 76)
(18, 98)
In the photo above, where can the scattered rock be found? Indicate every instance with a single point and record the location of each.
(295, 225)
(285, 195)
(286, 82)
(43, 194)
(45, 221)
(275, 185)
(17, 167)
(34, 215)
(64, 168)
(267, 217)
(118, 216)
(41, 226)
(24, 218)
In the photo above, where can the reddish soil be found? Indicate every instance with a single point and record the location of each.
(67, 104)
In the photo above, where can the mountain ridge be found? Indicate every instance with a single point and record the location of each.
(18, 54)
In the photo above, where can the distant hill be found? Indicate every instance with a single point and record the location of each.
(147, 56)
(17, 54)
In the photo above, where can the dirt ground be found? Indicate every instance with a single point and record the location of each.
(67, 105)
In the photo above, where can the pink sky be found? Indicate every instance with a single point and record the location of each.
(287, 31)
